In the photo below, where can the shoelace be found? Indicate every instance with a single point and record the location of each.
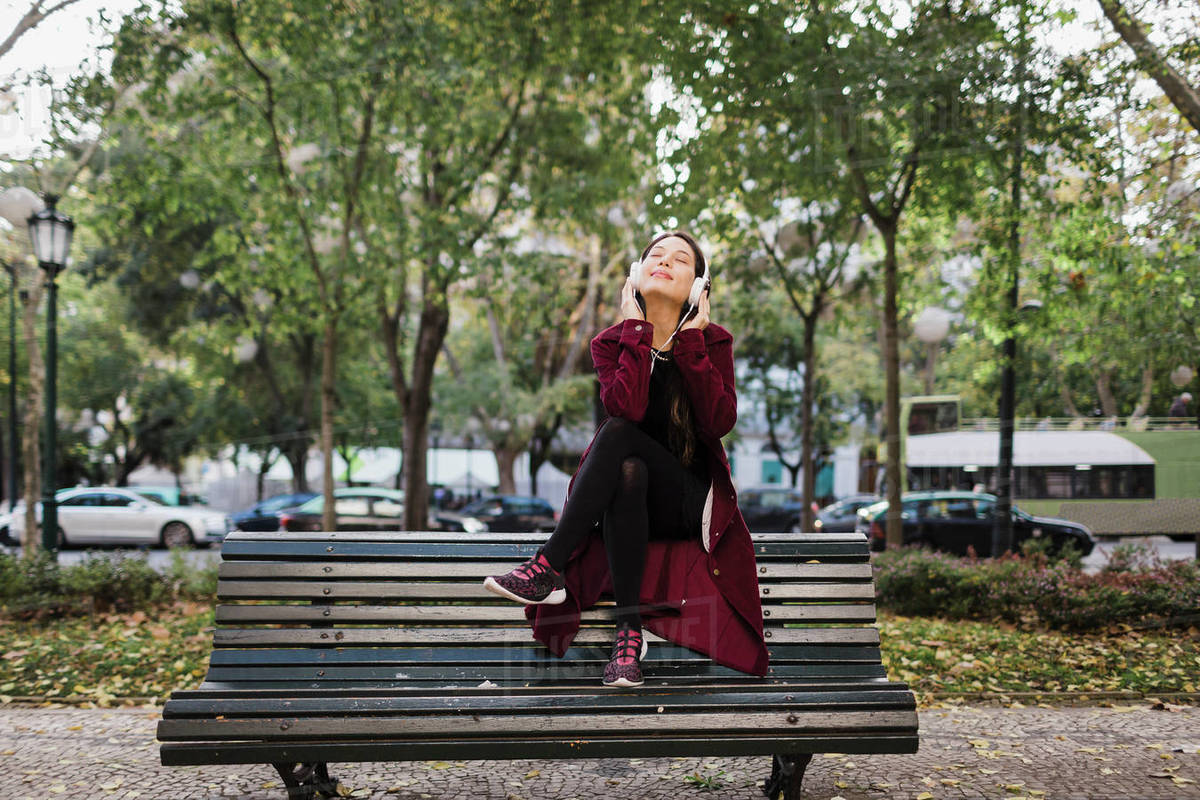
(629, 646)
(532, 567)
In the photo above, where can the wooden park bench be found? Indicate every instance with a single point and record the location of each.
(385, 647)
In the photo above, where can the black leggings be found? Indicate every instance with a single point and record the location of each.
(636, 486)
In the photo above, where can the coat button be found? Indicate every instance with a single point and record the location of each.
(637, 327)
(716, 571)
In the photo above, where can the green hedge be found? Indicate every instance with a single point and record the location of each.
(1135, 587)
(39, 585)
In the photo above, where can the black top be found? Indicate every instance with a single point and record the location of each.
(657, 420)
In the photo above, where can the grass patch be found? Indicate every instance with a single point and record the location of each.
(102, 659)
(937, 655)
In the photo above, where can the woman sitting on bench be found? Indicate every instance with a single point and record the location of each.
(672, 546)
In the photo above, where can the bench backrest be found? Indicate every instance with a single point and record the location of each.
(314, 611)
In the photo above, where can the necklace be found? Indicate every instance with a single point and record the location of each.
(660, 355)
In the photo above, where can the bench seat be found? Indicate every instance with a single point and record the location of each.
(386, 647)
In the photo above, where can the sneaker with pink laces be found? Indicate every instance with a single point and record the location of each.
(624, 668)
(534, 582)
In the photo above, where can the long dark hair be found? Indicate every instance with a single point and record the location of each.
(681, 433)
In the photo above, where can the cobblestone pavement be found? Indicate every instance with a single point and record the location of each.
(966, 752)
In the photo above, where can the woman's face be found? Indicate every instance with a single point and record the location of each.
(668, 270)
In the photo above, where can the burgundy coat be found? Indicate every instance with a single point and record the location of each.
(702, 594)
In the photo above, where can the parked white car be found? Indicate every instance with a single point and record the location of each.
(109, 515)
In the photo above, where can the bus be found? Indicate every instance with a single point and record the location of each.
(1138, 478)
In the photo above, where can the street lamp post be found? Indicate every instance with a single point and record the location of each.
(50, 231)
(1002, 527)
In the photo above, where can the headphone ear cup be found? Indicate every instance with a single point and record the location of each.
(635, 273)
(698, 287)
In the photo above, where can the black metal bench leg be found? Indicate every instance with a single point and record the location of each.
(787, 772)
(307, 781)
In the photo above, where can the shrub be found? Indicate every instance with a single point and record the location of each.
(197, 583)
(39, 585)
(117, 582)
(1034, 590)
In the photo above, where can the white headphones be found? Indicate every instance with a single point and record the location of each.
(698, 284)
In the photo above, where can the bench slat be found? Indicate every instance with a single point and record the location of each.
(627, 702)
(487, 536)
(474, 571)
(503, 614)
(370, 590)
(389, 550)
(547, 671)
(308, 637)
(706, 744)
(211, 689)
(591, 725)
(521, 654)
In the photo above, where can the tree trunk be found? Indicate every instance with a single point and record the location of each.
(296, 453)
(891, 360)
(1108, 403)
(261, 479)
(431, 333)
(328, 399)
(807, 460)
(505, 458)
(1068, 402)
(1181, 94)
(30, 442)
(793, 471)
(539, 450)
(1143, 404)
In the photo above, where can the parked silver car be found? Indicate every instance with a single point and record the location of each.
(110, 515)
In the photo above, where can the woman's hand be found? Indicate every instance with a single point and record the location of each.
(629, 304)
(700, 320)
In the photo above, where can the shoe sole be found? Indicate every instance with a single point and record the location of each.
(624, 683)
(555, 597)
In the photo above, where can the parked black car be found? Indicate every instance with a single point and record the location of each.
(771, 509)
(842, 516)
(264, 515)
(506, 513)
(952, 522)
(355, 509)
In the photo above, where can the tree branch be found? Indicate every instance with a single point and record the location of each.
(1181, 94)
(268, 112)
(32, 18)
